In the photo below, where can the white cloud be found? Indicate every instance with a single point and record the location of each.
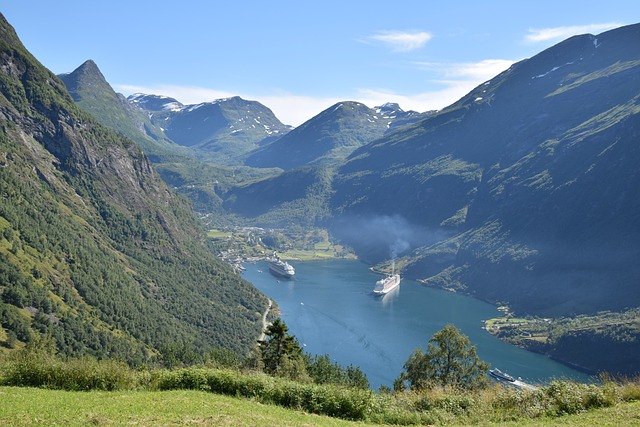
(536, 35)
(402, 41)
(450, 81)
(296, 109)
(472, 71)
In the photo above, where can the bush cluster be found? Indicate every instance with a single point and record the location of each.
(29, 369)
(335, 401)
(434, 406)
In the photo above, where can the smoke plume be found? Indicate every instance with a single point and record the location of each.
(383, 237)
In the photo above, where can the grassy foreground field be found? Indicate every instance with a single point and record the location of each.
(21, 406)
(38, 407)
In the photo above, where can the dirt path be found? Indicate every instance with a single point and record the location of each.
(264, 321)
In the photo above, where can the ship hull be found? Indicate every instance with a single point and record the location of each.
(280, 273)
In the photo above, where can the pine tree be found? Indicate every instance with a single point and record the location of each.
(278, 346)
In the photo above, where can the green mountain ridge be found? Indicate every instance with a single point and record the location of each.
(179, 167)
(95, 250)
(331, 136)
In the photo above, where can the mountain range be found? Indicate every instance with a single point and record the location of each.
(233, 131)
(223, 130)
(488, 185)
(332, 135)
(524, 192)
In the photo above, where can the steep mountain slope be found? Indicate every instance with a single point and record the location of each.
(92, 92)
(526, 187)
(178, 166)
(292, 198)
(222, 131)
(331, 135)
(95, 251)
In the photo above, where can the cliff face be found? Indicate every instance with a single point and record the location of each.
(96, 251)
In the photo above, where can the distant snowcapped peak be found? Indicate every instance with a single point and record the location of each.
(155, 102)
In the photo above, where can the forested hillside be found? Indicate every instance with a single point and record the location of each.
(95, 251)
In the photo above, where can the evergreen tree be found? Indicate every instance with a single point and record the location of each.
(278, 346)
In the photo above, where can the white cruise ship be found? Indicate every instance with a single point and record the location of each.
(281, 268)
(387, 284)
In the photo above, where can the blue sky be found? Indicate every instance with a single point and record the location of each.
(299, 58)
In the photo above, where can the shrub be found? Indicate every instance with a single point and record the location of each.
(569, 397)
(37, 369)
(349, 403)
(630, 391)
(511, 403)
(185, 378)
(90, 374)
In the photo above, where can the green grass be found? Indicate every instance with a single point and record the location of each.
(626, 414)
(39, 407)
(89, 392)
(308, 254)
(218, 234)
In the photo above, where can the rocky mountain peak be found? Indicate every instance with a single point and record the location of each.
(87, 75)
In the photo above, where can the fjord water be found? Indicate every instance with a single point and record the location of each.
(330, 308)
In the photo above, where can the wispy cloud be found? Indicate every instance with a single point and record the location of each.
(537, 35)
(476, 72)
(453, 81)
(402, 41)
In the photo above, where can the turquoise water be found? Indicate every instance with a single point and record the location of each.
(329, 307)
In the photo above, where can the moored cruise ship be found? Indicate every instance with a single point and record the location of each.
(281, 268)
(387, 284)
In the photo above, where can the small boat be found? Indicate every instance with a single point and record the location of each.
(499, 375)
